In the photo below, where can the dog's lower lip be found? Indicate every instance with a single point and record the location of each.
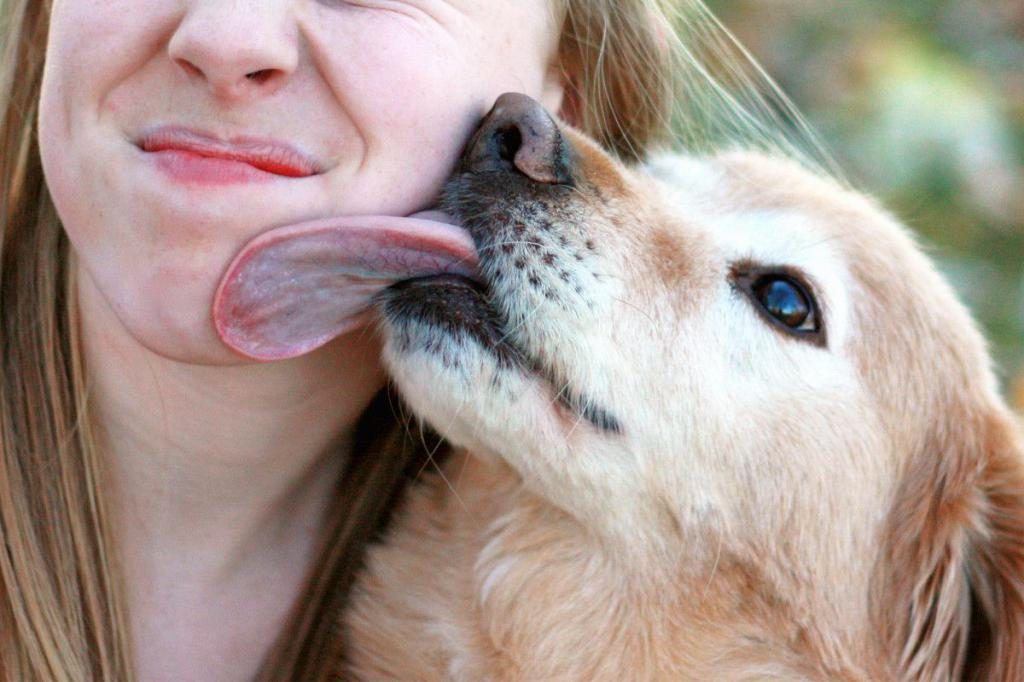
(447, 279)
(450, 303)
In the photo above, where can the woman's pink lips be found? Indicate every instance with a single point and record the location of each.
(193, 156)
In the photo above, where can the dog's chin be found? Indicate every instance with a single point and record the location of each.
(446, 350)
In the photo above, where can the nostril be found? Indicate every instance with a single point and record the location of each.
(507, 141)
(261, 76)
(188, 67)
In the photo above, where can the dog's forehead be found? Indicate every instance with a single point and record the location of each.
(749, 224)
(878, 289)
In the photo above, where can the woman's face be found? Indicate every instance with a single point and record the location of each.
(339, 107)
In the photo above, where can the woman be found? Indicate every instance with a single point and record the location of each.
(169, 510)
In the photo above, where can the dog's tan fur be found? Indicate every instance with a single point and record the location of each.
(769, 510)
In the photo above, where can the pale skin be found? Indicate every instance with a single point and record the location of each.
(221, 467)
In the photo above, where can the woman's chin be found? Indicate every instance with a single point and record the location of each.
(171, 320)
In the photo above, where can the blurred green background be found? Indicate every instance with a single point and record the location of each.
(922, 103)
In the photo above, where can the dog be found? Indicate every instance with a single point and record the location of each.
(713, 419)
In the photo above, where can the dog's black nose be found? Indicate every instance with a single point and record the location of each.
(519, 135)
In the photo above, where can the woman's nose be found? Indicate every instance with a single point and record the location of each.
(238, 49)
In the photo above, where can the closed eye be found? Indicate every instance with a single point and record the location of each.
(783, 298)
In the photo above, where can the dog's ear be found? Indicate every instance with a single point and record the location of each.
(950, 603)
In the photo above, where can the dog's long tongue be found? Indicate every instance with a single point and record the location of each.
(296, 287)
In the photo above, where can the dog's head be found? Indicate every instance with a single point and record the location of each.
(732, 360)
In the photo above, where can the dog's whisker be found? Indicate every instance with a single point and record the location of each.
(575, 424)
(558, 396)
(820, 242)
(405, 421)
(525, 319)
(428, 458)
(650, 318)
(561, 396)
(398, 412)
(508, 242)
(451, 488)
(462, 471)
(431, 452)
(714, 566)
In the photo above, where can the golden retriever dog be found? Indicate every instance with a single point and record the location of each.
(714, 419)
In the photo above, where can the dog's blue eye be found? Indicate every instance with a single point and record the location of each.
(782, 297)
(786, 301)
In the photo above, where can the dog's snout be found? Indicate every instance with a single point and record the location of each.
(518, 135)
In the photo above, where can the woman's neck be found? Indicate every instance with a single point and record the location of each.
(220, 477)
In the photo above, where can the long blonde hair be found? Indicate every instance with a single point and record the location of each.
(636, 79)
(666, 73)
